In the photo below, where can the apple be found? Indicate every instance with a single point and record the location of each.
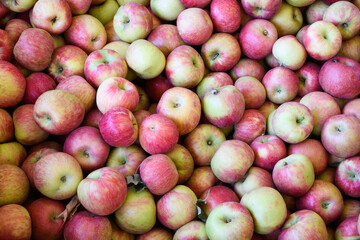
(352, 107)
(132, 21)
(45, 222)
(347, 177)
(347, 229)
(232, 160)
(351, 209)
(137, 215)
(6, 46)
(79, 6)
(293, 122)
(281, 84)
(81, 89)
(57, 175)
(140, 115)
(177, 102)
(118, 127)
(146, 3)
(184, 162)
(167, 10)
(268, 213)
(58, 112)
(145, 59)
(255, 177)
(86, 225)
(201, 179)
(159, 174)
(110, 33)
(289, 52)
(304, 224)
(351, 48)
(225, 15)
(322, 40)
(116, 92)
(12, 153)
(67, 61)
(315, 11)
(194, 229)
(300, 3)
(144, 99)
(251, 126)
(118, 234)
(15, 222)
(348, 69)
(324, 198)
(14, 185)
(314, 150)
(261, 9)
(247, 67)
(156, 233)
(340, 135)
(253, 91)
(267, 108)
(103, 64)
(105, 11)
(54, 16)
(346, 16)
(293, 175)
(221, 52)
(92, 118)
(194, 25)
(6, 126)
(195, 3)
(126, 160)
(27, 50)
(86, 32)
(36, 84)
(223, 106)
(308, 76)
(103, 191)
(177, 207)
(230, 220)
(213, 80)
(15, 27)
(203, 142)
(300, 34)
(327, 175)
(271, 61)
(288, 20)
(156, 87)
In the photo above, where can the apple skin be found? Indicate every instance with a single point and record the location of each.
(349, 71)
(351, 48)
(308, 76)
(105, 11)
(87, 146)
(304, 224)
(159, 173)
(232, 160)
(15, 222)
(45, 222)
(138, 213)
(58, 112)
(322, 106)
(36, 84)
(242, 223)
(67, 60)
(328, 175)
(132, 21)
(177, 207)
(15, 27)
(54, 16)
(156, 87)
(293, 175)
(79, 6)
(257, 38)
(255, 177)
(116, 92)
(6, 46)
(13, 85)
(247, 67)
(194, 230)
(261, 9)
(57, 170)
(19, 7)
(158, 134)
(103, 64)
(195, 26)
(28, 46)
(351, 209)
(347, 229)
(177, 102)
(347, 177)
(293, 122)
(315, 11)
(288, 20)
(92, 118)
(110, 33)
(195, 3)
(251, 125)
(27, 132)
(352, 107)
(118, 234)
(86, 225)
(225, 15)
(223, 106)
(268, 213)
(118, 127)
(281, 84)
(267, 108)
(340, 135)
(201, 179)
(86, 32)
(253, 91)
(12, 153)
(156, 233)
(183, 161)
(103, 191)
(324, 198)
(6, 126)
(15, 186)
(166, 10)
(213, 80)
(221, 52)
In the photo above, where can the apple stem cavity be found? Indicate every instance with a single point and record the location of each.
(214, 91)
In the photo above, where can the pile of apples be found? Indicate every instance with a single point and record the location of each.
(179, 119)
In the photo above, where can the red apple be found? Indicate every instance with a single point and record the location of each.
(225, 15)
(6, 46)
(251, 126)
(15, 27)
(347, 177)
(348, 229)
(247, 67)
(261, 9)
(15, 222)
(201, 179)
(36, 84)
(352, 107)
(6, 126)
(156, 87)
(92, 118)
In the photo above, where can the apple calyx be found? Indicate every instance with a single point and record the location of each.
(70, 209)
(352, 175)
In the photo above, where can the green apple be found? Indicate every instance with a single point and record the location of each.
(104, 12)
(167, 10)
